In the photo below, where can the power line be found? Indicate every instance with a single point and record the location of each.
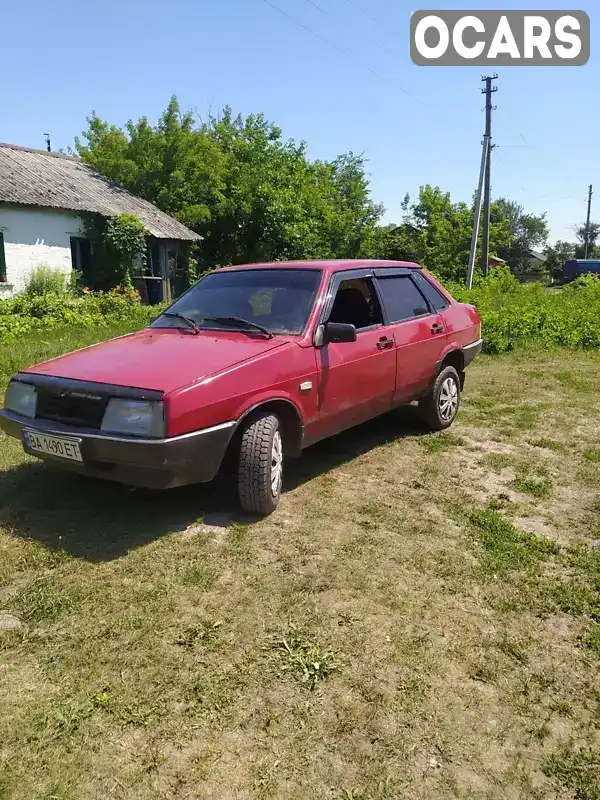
(354, 31)
(379, 22)
(342, 51)
(495, 152)
(536, 147)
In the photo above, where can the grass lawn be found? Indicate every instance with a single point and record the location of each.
(419, 619)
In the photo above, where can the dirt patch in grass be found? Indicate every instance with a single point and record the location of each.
(414, 620)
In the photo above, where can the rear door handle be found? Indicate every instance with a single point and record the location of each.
(385, 344)
(437, 328)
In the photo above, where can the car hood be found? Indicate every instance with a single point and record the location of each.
(160, 359)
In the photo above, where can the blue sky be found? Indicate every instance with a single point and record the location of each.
(124, 58)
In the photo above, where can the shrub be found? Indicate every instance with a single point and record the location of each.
(45, 280)
(27, 313)
(514, 312)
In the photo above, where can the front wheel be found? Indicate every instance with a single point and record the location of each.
(440, 404)
(260, 466)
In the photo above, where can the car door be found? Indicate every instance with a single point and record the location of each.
(356, 380)
(417, 328)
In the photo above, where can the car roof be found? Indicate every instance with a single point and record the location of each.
(332, 265)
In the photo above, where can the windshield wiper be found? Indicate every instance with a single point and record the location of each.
(240, 321)
(190, 322)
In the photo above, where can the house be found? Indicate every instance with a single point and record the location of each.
(536, 261)
(44, 200)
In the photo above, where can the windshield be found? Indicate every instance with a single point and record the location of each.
(278, 300)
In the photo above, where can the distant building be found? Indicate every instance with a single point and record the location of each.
(44, 198)
(537, 261)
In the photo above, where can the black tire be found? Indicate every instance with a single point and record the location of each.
(435, 413)
(256, 463)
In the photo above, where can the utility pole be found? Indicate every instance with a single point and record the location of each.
(487, 143)
(484, 180)
(476, 217)
(587, 222)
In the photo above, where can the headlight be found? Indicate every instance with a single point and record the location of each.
(21, 398)
(134, 417)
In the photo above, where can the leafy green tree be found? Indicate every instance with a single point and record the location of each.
(556, 255)
(436, 232)
(255, 196)
(125, 236)
(118, 244)
(252, 195)
(525, 233)
(590, 234)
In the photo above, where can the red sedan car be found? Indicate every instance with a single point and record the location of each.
(257, 362)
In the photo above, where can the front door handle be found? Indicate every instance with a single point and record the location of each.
(385, 344)
(437, 328)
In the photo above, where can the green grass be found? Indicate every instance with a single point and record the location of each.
(296, 654)
(547, 444)
(591, 639)
(357, 643)
(497, 461)
(542, 488)
(504, 548)
(41, 601)
(441, 441)
(526, 417)
(578, 770)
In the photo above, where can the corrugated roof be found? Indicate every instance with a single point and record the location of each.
(52, 180)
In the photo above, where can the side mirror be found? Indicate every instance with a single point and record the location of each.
(338, 332)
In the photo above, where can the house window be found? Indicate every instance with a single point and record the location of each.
(2, 260)
(81, 253)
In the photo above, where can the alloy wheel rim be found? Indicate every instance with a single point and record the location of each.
(276, 464)
(448, 402)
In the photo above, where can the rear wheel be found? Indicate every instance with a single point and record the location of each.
(260, 466)
(440, 404)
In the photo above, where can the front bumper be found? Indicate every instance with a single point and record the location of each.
(153, 463)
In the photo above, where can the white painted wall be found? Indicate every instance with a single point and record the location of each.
(34, 236)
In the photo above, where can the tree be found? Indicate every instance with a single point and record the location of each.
(255, 196)
(118, 244)
(589, 233)
(436, 232)
(556, 255)
(525, 233)
(252, 195)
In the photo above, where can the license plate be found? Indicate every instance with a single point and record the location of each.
(40, 443)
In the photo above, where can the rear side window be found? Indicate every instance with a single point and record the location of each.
(436, 300)
(401, 298)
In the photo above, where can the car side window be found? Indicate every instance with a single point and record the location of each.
(356, 303)
(436, 299)
(401, 298)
